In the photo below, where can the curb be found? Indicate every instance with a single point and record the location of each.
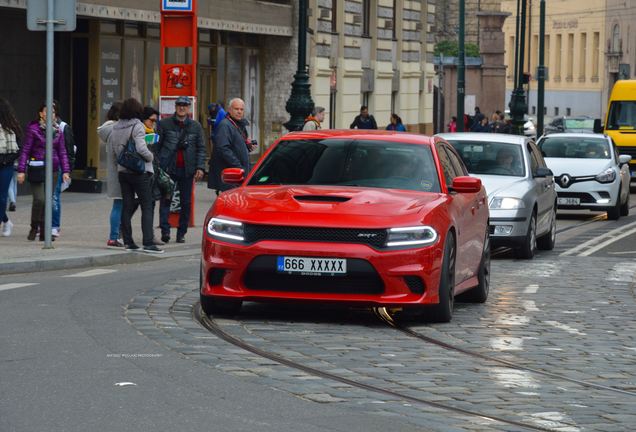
(109, 259)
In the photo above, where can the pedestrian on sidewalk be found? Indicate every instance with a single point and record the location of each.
(69, 143)
(181, 153)
(13, 188)
(314, 121)
(452, 126)
(364, 120)
(112, 179)
(31, 162)
(231, 146)
(10, 135)
(396, 124)
(129, 127)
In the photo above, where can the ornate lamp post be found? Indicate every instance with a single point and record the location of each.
(300, 104)
(518, 105)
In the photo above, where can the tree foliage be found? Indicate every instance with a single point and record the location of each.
(450, 48)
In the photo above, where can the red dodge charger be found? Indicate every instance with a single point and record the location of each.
(371, 218)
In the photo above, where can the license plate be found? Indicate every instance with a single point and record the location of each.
(311, 266)
(568, 201)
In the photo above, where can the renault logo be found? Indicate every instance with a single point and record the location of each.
(565, 181)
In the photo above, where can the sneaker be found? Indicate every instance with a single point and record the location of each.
(152, 249)
(116, 244)
(165, 238)
(132, 247)
(12, 207)
(180, 239)
(157, 242)
(55, 232)
(6, 228)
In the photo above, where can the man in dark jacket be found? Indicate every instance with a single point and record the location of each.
(231, 146)
(364, 120)
(181, 153)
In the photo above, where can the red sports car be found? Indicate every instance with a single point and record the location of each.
(371, 218)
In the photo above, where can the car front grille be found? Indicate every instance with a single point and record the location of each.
(361, 278)
(585, 198)
(375, 238)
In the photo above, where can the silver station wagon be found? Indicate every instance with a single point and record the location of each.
(521, 192)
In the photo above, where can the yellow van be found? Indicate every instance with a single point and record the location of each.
(620, 123)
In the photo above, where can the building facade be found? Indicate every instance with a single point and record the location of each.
(619, 42)
(575, 56)
(447, 18)
(376, 53)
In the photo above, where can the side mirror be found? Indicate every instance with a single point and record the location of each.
(623, 159)
(466, 184)
(543, 172)
(598, 127)
(233, 175)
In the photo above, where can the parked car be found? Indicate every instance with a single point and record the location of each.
(373, 218)
(580, 124)
(521, 191)
(589, 172)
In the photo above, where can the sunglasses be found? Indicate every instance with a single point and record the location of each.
(183, 105)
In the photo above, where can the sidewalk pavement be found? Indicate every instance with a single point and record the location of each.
(84, 232)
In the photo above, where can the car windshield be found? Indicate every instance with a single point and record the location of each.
(622, 115)
(496, 158)
(346, 162)
(583, 124)
(574, 147)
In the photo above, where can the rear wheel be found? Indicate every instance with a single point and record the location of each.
(479, 294)
(443, 311)
(529, 247)
(547, 241)
(625, 207)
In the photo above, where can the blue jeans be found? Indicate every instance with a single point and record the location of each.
(13, 188)
(57, 204)
(184, 184)
(6, 173)
(115, 218)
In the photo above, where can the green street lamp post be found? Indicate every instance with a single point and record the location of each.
(518, 105)
(299, 105)
(461, 67)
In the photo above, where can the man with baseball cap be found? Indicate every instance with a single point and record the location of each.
(181, 153)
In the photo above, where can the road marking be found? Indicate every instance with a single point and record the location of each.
(531, 289)
(565, 327)
(10, 286)
(556, 420)
(506, 343)
(622, 253)
(530, 306)
(514, 378)
(507, 319)
(593, 245)
(91, 273)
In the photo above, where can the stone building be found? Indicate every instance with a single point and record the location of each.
(376, 53)
(447, 18)
(585, 45)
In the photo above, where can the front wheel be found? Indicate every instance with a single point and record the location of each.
(625, 207)
(547, 241)
(614, 212)
(529, 247)
(443, 311)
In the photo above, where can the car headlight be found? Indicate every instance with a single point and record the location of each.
(411, 236)
(226, 229)
(607, 176)
(506, 203)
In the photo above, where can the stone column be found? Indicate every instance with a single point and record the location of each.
(491, 47)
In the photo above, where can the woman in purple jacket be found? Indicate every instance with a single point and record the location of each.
(32, 156)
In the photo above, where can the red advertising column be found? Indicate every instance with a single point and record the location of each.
(178, 41)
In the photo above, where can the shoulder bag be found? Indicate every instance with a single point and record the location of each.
(130, 159)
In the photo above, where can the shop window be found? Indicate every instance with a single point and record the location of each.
(153, 84)
(205, 36)
(132, 29)
(134, 69)
(153, 31)
(108, 27)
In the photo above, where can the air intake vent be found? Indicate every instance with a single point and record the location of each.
(321, 198)
(415, 284)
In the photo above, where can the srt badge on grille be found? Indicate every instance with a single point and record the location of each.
(367, 235)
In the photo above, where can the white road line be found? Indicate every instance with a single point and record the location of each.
(530, 306)
(515, 320)
(565, 327)
(602, 241)
(506, 343)
(91, 273)
(531, 289)
(9, 286)
(622, 253)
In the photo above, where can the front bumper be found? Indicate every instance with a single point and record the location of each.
(592, 195)
(248, 272)
(509, 227)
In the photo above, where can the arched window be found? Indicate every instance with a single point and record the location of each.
(616, 36)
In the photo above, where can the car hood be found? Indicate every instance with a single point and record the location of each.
(577, 167)
(326, 206)
(508, 186)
